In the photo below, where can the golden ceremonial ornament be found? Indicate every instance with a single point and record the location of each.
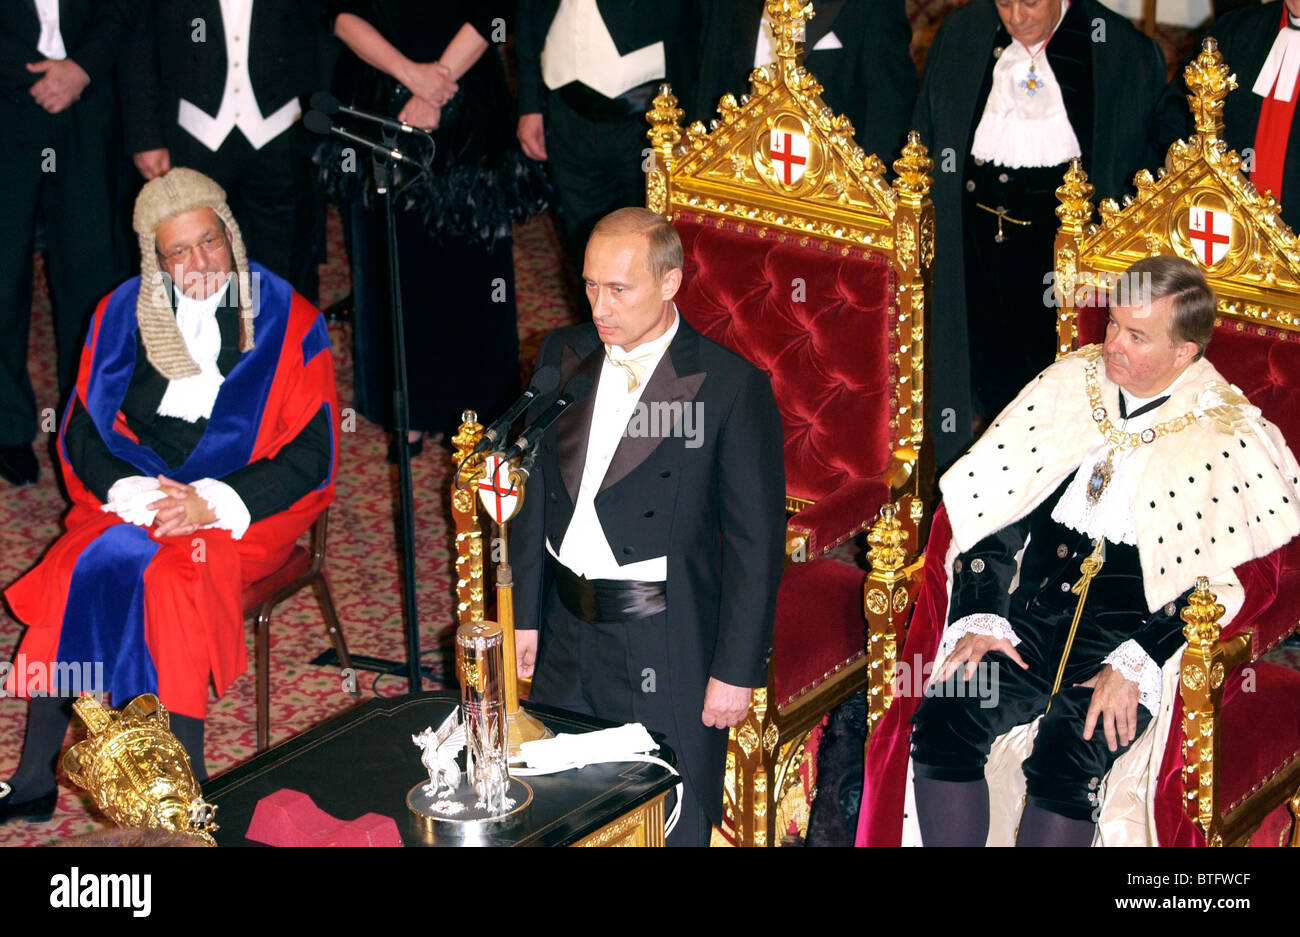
(137, 771)
(471, 479)
(1088, 570)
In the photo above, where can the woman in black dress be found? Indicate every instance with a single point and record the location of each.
(433, 65)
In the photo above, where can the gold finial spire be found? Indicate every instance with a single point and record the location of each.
(913, 169)
(789, 19)
(1075, 196)
(1209, 83)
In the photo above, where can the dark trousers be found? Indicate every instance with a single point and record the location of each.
(1012, 331)
(955, 728)
(270, 194)
(595, 166)
(619, 671)
(57, 168)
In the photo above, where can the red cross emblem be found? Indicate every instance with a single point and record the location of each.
(500, 497)
(790, 149)
(1210, 231)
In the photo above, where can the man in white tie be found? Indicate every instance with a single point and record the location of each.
(1260, 44)
(56, 108)
(649, 547)
(588, 70)
(217, 85)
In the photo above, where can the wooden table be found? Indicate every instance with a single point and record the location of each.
(363, 761)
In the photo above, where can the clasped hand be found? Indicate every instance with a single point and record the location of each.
(1114, 698)
(432, 86)
(181, 511)
(60, 84)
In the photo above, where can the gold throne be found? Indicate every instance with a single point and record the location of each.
(801, 257)
(1237, 745)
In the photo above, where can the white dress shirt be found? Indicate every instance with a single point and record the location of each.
(1020, 130)
(50, 41)
(579, 48)
(586, 549)
(238, 102)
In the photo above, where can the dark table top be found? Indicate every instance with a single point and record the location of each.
(363, 761)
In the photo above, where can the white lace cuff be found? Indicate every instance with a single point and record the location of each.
(129, 498)
(232, 513)
(994, 626)
(1136, 665)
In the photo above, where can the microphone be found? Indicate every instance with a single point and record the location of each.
(577, 390)
(544, 381)
(319, 123)
(329, 105)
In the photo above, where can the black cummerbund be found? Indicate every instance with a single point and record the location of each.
(609, 600)
(591, 104)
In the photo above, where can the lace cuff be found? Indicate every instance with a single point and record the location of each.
(982, 623)
(232, 513)
(1137, 666)
(129, 498)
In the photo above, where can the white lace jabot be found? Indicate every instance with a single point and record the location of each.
(191, 398)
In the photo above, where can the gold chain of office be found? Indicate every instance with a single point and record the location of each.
(1118, 439)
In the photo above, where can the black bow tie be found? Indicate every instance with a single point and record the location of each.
(1145, 408)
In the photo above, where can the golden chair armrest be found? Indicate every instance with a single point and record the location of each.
(888, 596)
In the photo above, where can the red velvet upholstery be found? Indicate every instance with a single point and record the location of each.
(828, 355)
(827, 594)
(1261, 728)
(1265, 363)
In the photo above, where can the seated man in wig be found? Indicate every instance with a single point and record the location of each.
(198, 446)
(1115, 478)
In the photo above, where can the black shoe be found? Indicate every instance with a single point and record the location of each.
(18, 465)
(38, 810)
(415, 448)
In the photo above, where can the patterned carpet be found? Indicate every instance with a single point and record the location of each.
(362, 557)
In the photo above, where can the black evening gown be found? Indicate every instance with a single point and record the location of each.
(453, 229)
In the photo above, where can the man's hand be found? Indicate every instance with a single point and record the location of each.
(153, 163)
(420, 113)
(181, 511)
(431, 81)
(725, 705)
(61, 83)
(525, 653)
(1115, 702)
(971, 649)
(532, 136)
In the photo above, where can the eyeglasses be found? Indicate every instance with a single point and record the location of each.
(210, 246)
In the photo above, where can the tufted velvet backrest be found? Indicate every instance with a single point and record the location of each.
(819, 323)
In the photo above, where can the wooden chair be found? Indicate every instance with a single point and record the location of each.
(801, 257)
(304, 567)
(1232, 762)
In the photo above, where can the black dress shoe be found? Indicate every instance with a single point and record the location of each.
(18, 465)
(415, 447)
(38, 810)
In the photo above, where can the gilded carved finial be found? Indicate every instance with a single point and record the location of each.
(665, 120)
(1208, 82)
(466, 438)
(1075, 196)
(886, 541)
(1201, 616)
(789, 18)
(913, 169)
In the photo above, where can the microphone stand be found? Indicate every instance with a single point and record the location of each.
(401, 422)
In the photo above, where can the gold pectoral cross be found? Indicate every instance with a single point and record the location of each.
(1088, 570)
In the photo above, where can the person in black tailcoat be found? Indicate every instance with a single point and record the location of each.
(56, 108)
(1000, 153)
(856, 49)
(434, 66)
(587, 72)
(649, 547)
(216, 86)
(1258, 118)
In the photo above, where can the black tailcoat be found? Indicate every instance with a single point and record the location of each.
(871, 79)
(715, 509)
(1245, 37)
(1126, 76)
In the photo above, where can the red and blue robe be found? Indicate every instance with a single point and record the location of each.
(164, 615)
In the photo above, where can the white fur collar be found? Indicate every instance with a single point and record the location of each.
(1208, 498)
